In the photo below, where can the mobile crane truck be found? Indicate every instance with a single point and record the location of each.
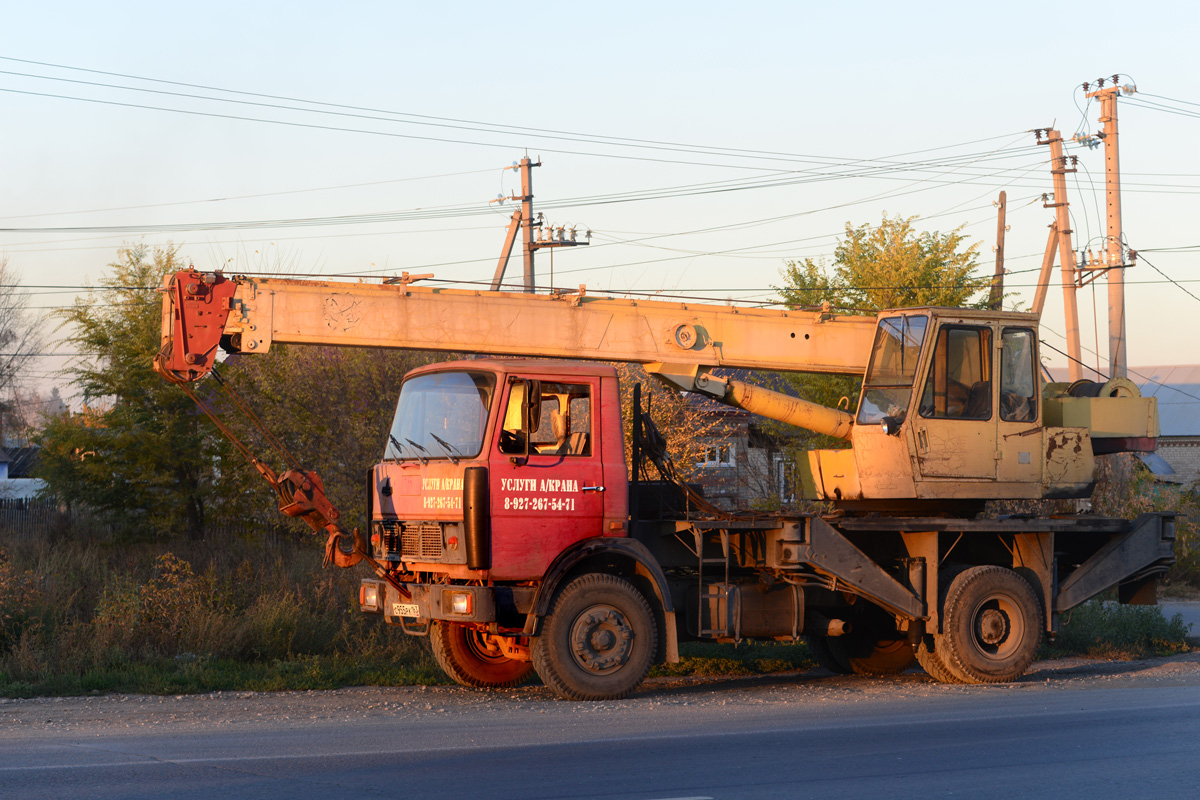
(505, 524)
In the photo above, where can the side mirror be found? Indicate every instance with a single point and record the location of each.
(890, 425)
(531, 407)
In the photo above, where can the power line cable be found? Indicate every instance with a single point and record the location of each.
(1170, 279)
(478, 125)
(250, 196)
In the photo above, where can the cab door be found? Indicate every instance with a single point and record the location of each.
(548, 492)
(1019, 430)
(955, 428)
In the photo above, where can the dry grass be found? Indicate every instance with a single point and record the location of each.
(81, 615)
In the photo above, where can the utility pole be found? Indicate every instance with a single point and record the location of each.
(1066, 254)
(523, 220)
(1114, 263)
(996, 300)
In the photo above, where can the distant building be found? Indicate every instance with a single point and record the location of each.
(16, 469)
(743, 466)
(1178, 391)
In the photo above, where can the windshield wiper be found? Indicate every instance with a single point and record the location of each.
(445, 446)
(422, 458)
(396, 443)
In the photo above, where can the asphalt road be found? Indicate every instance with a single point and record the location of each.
(1071, 729)
(1189, 610)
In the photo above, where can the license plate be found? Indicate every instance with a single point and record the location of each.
(406, 610)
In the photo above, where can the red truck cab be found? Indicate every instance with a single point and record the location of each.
(550, 483)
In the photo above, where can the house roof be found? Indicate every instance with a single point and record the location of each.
(1178, 391)
(21, 461)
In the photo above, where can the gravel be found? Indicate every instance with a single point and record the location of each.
(814, 688)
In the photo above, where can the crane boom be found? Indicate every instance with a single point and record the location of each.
(255, 313)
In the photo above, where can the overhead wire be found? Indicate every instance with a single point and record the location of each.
(452, 122)
(256, 196)
(460, 210)
(1169, 279)
(1134, 372)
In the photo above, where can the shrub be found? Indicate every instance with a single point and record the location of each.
(1104, 629)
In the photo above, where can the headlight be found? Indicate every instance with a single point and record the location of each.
(368, 596)
(460, 603)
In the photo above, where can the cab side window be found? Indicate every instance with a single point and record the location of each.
(959, 385)
(1018, 376)
(564, 427)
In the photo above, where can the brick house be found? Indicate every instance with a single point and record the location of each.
(745, 465)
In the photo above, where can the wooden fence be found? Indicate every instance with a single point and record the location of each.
(30, 518)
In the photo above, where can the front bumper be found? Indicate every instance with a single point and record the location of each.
(450, 602)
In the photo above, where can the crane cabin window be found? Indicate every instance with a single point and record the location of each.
(959, 385)
(441, 415)
(1018, 376)
(895, 357)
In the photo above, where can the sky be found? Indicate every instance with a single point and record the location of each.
(703, 145)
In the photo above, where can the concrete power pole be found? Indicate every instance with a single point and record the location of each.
(1114, 262)
(1061, 230)
(523, 221)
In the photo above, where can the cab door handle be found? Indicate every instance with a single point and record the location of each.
(591, 488)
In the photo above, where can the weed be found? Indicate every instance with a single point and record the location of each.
(1104, 629)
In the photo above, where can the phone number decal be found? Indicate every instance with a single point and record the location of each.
(539, 504)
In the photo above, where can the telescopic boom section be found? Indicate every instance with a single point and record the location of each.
(252, 314)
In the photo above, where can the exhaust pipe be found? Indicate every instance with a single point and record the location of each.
(820, 625)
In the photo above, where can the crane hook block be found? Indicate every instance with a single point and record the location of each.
(195, 308)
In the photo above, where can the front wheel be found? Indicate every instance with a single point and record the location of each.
(466, 655)
(992, 624)
(598, 641)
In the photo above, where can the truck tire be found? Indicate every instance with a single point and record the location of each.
(929, 656)
(463, 654)
(597, 641)
(822, 650)
(872, 647)
(991, 625)
(872, 656)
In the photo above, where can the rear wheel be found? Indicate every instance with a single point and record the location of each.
(870, 655)
(929, 656)
(822, 650)
(992, 624)
(598, 641)
(471, 659)
(873, 646)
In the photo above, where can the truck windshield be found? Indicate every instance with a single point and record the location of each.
(887, 388)
(441, 415)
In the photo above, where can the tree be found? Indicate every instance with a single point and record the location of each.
(330, 406)
(139, 453)
(687, 422)
(891, 265)
(145, 456)
(20, 340)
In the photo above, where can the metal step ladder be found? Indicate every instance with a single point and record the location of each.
(704, 597)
